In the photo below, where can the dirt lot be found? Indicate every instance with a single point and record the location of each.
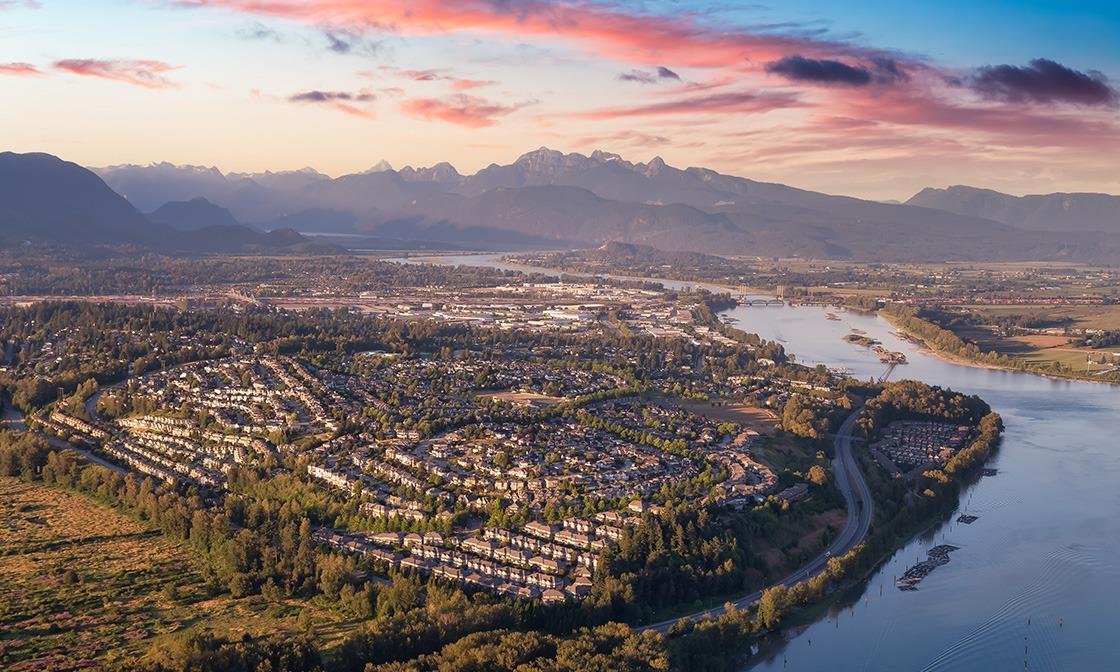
(526, 398)
(761, 420)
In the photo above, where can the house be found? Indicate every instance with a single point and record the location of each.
(540, 530)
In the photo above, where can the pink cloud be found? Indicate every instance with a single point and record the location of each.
(468, 84)
(601, 29)
(461, 109)
(627, 138)
(730, 102)
(19, 70)
(143, 73)
(926, 109)
(454, 81)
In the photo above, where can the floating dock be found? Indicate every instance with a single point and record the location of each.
(938, 555)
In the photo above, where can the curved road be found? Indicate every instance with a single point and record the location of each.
(857, 498)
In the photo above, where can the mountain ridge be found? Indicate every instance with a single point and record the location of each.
(544, 198)
(1058, 211)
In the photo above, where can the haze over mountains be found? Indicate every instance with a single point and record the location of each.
(550, 199)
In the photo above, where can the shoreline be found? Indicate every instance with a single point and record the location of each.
(950, 358)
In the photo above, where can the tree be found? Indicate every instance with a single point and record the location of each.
(818, 475)
(402, 595)
(772, 606)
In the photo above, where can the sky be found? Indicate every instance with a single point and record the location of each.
(875, 98)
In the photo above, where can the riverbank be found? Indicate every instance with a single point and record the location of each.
(953, 358)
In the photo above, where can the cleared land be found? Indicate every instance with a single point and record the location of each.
(783, 452)
(761, 420)
(81, 584)
(526, 398)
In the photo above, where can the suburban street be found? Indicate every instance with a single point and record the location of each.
(857, 497)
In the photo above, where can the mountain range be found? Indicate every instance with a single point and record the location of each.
(1039, 212)
(47, 200)
(548, 199)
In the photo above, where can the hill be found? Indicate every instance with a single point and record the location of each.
(197, 213)
(44, 199)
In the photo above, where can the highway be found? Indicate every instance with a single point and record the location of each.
(857, 498)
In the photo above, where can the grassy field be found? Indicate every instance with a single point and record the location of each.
(81, 583)
(784, 451)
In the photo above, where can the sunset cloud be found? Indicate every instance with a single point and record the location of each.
(454, 81)
(343, 41)
(1042, 81)
(461, 109)
(19, 69)
(623, 138)
(824, 71)
(881, 70)
(604, 29)
(643, 77)
(740, 102)
(343, 101)
(143, 73)
(1022, 126)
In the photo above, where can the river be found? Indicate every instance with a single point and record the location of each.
(1035, 582)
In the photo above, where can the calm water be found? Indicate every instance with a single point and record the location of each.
(1036, 583)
